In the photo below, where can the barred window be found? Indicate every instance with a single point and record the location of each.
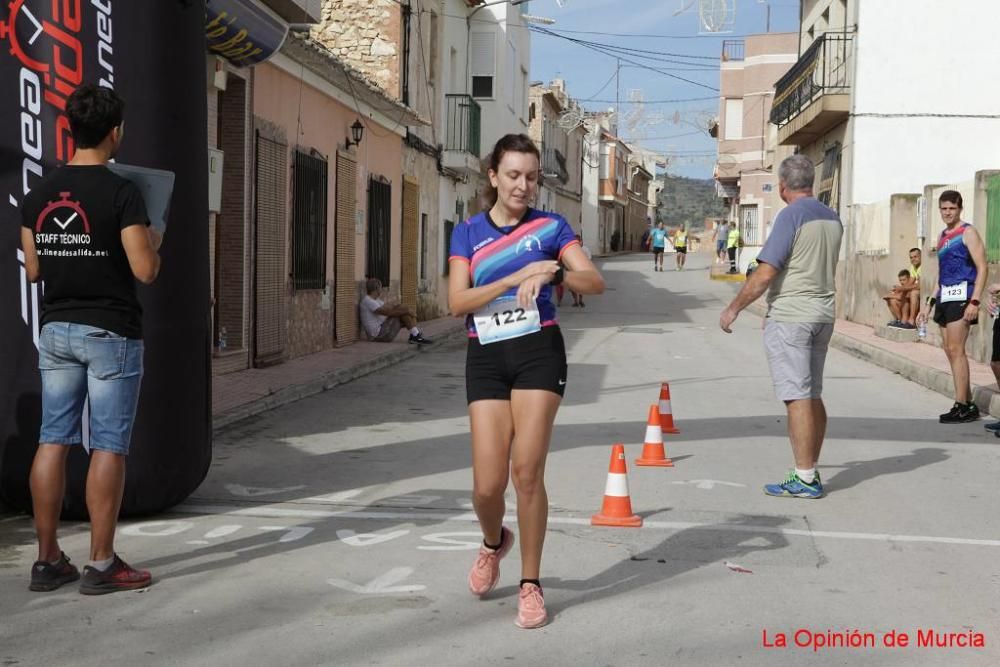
(309, 222)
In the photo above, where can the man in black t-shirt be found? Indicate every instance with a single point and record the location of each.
(87, 236)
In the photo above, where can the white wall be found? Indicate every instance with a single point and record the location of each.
(507, 111)
(590, 223)
(946, 63)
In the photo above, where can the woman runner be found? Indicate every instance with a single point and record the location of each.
(504, 263)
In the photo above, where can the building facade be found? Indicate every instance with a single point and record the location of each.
(561, 189)
(306, 153)
(880, 115)
(748, 153)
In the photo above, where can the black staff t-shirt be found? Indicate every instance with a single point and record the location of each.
(76, 214)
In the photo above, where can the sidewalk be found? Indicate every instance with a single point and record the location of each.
(918, 362)
(236, 396)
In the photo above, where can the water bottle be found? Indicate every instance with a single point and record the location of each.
(222, 339)
(922, 330)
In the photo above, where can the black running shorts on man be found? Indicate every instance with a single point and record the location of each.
(535, 361)
(951, 311)
(996, 341)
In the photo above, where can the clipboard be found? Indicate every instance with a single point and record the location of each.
(156, 187)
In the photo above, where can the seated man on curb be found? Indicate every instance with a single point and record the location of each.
(383, 322)
(900, 302)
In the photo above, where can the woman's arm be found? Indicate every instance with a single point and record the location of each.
(464, 299)
(581, 276)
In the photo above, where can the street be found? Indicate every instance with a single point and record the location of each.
(338, 530)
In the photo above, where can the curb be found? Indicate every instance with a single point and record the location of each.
(987, 398)
(293, 393)
(937, 380)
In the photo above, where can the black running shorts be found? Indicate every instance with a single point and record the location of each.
(996, 340)
(951, 311)
(535, 361)
(658, 250)
(681, 250)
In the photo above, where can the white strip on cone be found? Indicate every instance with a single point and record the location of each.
(617, 485)
(654, 434)
(665, 407)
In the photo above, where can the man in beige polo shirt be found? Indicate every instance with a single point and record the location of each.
(797, 267)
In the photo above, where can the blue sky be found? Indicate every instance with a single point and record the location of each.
(649, 25)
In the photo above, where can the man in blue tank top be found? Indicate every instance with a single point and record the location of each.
(962, 273)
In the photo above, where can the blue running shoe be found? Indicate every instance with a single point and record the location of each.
(794, 487)
(995, 427)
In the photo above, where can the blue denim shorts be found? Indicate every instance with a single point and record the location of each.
(78, 362)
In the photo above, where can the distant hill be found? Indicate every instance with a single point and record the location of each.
(689, 200)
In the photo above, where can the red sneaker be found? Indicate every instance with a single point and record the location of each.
(486, 570)
(531, 608)
(119, 577)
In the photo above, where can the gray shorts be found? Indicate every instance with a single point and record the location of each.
(796, 353)
(389, 330)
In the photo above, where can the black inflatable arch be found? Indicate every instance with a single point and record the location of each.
(153, 53)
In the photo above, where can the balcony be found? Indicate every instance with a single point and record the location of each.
(554, 165)
(461, 146)
(814, 95)
(732, 50)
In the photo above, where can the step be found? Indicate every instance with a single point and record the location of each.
(896, 335)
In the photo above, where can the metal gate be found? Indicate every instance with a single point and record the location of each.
(749, 224)
(271, 180)
(379, 228)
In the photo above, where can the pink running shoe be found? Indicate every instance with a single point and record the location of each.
(486, 570)
(531, 608)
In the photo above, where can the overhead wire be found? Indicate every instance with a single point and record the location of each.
(544, 31)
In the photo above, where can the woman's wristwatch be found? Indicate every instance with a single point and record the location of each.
(974, 302)
(558, 276)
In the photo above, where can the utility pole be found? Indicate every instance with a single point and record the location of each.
(618, 95)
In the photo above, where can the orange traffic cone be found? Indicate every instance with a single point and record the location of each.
(666, 416)
(617, 507)
(653, 453)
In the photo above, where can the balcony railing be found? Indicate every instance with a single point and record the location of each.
(824, 69)
(464, 124)
(554, 165)
(732, 49)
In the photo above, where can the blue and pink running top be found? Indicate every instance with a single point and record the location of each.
(495, 252)
(955, 265)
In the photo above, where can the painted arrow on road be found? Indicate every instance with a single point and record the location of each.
(252, 491)
(384, 583)
(708, 484)
(367, 539)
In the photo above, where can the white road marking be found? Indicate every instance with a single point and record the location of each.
(709, 484)
(353, 539)
(276, 512)
(409, 501)
(384, 583)
(254, 491)
(156, 528)
(221, 531)
(338, 497)
(294, 534)
(451, 544)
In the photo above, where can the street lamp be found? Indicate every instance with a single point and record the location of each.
(357, 132)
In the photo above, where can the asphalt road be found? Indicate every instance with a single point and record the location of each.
(338, 531)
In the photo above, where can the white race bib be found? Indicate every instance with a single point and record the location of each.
(504, 319)
(959, 292)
